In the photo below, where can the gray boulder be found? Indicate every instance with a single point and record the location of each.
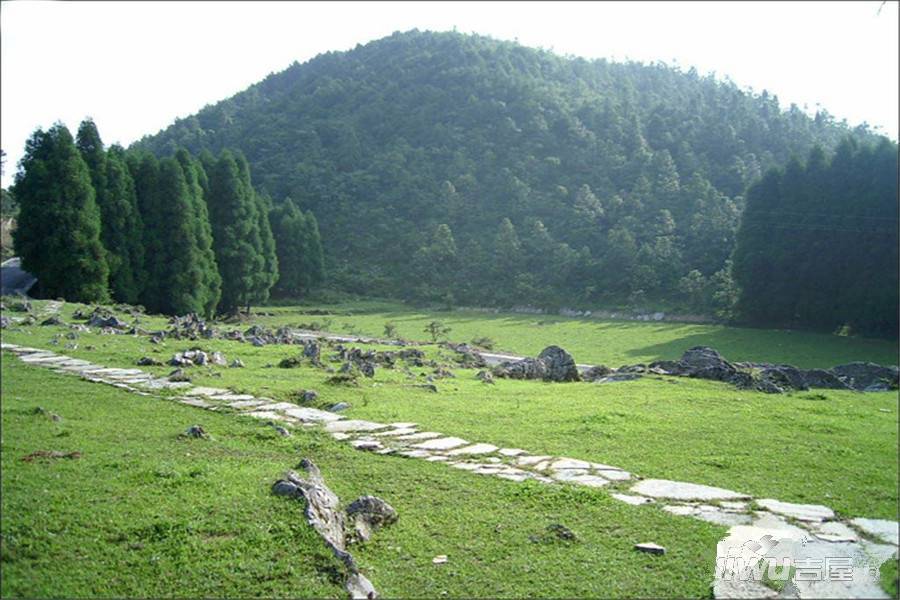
(560, 364)
(866, 376)
(369, 513)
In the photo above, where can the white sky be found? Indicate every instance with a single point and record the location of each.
(136, 66)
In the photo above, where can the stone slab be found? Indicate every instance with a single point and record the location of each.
(474, 449)
(354, 425)
(445, 443)
(879, 528)
(679, 490)
(206, 391)
(801, 512)
(632, 500)
(422, 435)
(311, 414)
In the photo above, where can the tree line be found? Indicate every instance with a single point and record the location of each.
(818, 243)
(560, 181)
(176, 234)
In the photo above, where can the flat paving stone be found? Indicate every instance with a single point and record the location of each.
(282, 406)
(423, 435)
(441, 443)
(682, 510)
(879, 528)
(632, 500)
(195, 402)
(249, 404)
(531, 460)
(438, 458)
(354, 425)
(570, 463)
(397, 432)
(511, 451)
(835, 531)
(474, 449)
(266, 414)
(366, 444)
(679, 490)
(311, 414)
(801, 512)
(206, 391)
(721, 517)
(229, 397)
(614, 474)
(415, 453)
(404, 425)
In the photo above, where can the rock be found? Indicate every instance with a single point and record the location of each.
(485, 377)
(370, 513)
(285, 488)
(619, 377)
(879, 528)
(527, 368)
(785, 377)
(281, 430)
(309, 395)
(595, 373)
(340, 406)
(291, 362)
(632, 500)
(5, 322)
(441, 443)
(190, 358)
(147, 361)
(467, 356)
(801, 512)
(864, 375)
(196, 431)
(179, 375)
(440, 559)
(561, 532)
(650, 548)
(236, 364)
(53, 320)
(217, 358)
(102, 318)
(677, 490)
(822, 379)
(559, 364)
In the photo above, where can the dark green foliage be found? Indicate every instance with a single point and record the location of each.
(818, 243)
(247, 265)
(58, 232)
(122, 230)
(389, 141)
(144, 169)
(299, 250)
(210, 288)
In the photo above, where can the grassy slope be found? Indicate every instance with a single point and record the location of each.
(612, 343)
(835, 448)
(145, 513)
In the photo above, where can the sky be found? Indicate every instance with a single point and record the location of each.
(137, 66)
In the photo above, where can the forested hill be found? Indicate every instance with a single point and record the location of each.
(442, 163)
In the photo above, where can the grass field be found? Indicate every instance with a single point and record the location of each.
(145, 513)
(211, 509)
(613, 343)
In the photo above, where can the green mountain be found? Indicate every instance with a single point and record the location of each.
(458, 167)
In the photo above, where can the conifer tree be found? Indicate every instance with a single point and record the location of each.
(58, 231)
(314, 256)
(211, 282)
(237, 242)
(122, 230)
(144, 169)
(289, 228)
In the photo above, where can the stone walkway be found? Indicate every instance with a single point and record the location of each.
(861, 542)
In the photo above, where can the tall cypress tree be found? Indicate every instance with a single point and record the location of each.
(58, 231)
(237, 240)
(122, 230)
(211, 282)
(91, 148)
(314, 261)
(144, 169)
(289, 228)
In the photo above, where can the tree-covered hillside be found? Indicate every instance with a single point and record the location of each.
(449, 166)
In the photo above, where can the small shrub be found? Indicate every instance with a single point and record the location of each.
(436, 329)
(390, 330)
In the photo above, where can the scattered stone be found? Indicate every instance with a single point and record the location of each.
(309, 396)
(485, 377)
(866, 376)
(147, 361)
(340, 406)
(196, 431)
(51, 454)
(561, 532)
(678, 490)
(285, 488)
(596, 373)
(370, 513)
(53, 320)
(180, 376)
(801, 512)
(236, 364)
(440, 559)
(650, 548)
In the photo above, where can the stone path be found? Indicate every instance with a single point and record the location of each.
(862, 542)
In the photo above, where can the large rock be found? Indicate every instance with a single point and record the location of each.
(560, 364)
(369, 513)
(866, 376)
(552, 364)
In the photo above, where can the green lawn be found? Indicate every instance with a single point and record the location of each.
(829, 447)
(613, 343)
(145, 513)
